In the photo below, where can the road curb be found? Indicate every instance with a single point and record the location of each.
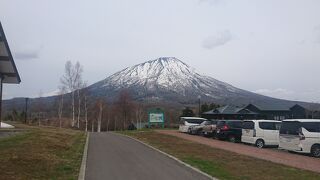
(170, 156)
(82, 173)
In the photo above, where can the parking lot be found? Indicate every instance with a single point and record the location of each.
(269, 154)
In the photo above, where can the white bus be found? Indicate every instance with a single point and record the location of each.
(300, 135)
(261, 132)
(186, 122)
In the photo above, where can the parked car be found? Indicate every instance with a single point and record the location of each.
(198, 129)
(261, 132)
(186, 122)
(210, 129)
(300, 135)
(229, 130)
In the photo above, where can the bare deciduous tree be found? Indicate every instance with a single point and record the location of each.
(115, 122)
(85, 104)
(92, 125)
(40, 107)
(124, 103)
(67, 80)
(139, 113)
(62, 91)
(100, 106)
(72, 79)
(78, 86)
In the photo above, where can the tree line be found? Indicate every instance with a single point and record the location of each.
(92, 113)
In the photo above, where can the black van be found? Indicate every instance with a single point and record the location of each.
(229, 130)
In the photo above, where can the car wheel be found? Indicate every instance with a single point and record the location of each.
(189, 131)
(315, 150)
(232, 139)
(260, 143)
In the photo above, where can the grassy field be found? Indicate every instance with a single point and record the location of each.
(220, 163)
(41, 153)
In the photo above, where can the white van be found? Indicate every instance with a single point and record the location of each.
(261, 132)
(300, 135)
(187, 122)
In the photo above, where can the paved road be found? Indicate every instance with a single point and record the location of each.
(277, 156)
(115, 157)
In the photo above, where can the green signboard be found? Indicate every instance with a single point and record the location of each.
(156, 116)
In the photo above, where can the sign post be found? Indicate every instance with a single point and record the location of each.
(156, 116)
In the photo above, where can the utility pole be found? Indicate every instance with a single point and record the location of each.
(199, 97)
(26, 112)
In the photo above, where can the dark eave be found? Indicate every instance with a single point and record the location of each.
(8, 69)
(4, 58)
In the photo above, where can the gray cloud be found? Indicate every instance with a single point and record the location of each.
(219, 39)
(317, 34)
(274, 92)
(211, 2)
(312, 95)
(26, 55)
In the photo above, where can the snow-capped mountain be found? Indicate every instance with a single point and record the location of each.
(167, 73)
(169, 79)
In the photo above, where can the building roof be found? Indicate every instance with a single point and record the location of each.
(273, 107)
(7, 66)
(193, 118)
(229, 109)
(303, 120)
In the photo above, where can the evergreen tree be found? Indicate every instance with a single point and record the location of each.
(213, 106)
(205, 107)
(187, 112)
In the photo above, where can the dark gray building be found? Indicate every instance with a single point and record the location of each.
(230, 112)
(251, 111)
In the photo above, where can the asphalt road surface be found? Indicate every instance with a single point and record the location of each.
(115, 157)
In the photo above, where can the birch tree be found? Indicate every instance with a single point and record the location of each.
(124, 104)
(139, 112)
(62, 91)
(108, 119)
(85, 104)
(92, 125)
(71, 80)
(115, 122)
(67, 80)
(100, 106)
(40, 107)
(78, 86)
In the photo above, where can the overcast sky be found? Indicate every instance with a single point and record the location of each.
(271, 47)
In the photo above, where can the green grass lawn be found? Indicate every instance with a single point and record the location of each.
(219, 163)
(42, 153)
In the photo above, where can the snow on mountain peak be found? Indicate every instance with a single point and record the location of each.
(167, 73)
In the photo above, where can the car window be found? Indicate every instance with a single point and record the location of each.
(221, 123)
(206, 123)
(248, 125)
(267, 125)
(311, 126)
(235, 124)
(194, 121)
(278, 125)
(210, 122)
(291, 128)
